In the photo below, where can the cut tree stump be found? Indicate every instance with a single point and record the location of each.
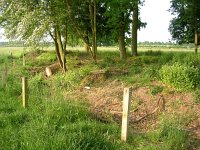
(52, 69)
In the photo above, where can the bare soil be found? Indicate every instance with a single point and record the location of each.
(106, 98)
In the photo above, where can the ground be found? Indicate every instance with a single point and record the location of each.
(101, 86)
(105, 100)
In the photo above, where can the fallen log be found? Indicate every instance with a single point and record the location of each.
(52, 69)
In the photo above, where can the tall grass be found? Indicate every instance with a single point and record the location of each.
(51, 122)
(55, 122)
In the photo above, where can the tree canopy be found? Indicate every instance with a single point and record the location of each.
(92, 21)
(186, 22)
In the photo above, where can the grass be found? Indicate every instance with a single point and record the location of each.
(55, 122)
(51, 122)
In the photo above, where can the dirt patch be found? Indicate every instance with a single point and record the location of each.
(106, 105)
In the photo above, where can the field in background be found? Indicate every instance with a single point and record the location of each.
(17, 51)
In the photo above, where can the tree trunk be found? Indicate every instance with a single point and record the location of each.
(93, 19)
(95, 31)
(65, 37)
(86, 41)
(121, 39)
(134, 29)
(196, 41)
(58, 53)
(122, 48)
(61, 50)
(54, 37)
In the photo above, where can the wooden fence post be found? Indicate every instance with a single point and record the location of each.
(125, 115)
(24, 92)
(24, 60)
(4, 75)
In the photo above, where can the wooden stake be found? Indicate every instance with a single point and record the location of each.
(4, 75)
(125, 115)
(24, 92)
(24, 62)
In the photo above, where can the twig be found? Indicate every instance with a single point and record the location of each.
(143, 117)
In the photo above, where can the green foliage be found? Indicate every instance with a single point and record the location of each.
(169, 135)
(156, 89)
(10, 90)
(165, 58)
(182, 26)
(55, 121)
(3, 59)
(48, 57)
(182, 77)
(72, 78)
(52, 122)
(38, 58)
(152, 53)
(192, 60)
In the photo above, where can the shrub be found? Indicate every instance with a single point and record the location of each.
(189, 59)
(49, 57)
(73, 78)
(154, 89)
(182, 77)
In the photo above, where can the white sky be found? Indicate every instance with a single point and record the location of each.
(155, 13)
(2, 38)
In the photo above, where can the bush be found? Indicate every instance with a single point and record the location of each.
(73, 78)
(48, 56)
(189, 59)
(182, 77)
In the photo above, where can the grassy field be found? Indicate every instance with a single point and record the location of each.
(56, 121)
(16, 51)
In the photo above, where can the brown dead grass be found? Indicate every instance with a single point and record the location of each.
(105, 100)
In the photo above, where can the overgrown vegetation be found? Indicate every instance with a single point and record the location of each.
(182, 77)
(54, 121)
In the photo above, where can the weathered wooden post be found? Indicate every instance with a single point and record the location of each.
(125, 115)
(24, 92)
(24, 60)
(4, 75)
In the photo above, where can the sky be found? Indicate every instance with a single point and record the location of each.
(2, 37)
(155, 13)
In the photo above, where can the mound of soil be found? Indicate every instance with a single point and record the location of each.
(106, 105)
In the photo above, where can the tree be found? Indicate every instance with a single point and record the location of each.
(93, 11)
(118, 13)
(185, 26)
(32, 20)
(83, 17)
(119, 21)
(134, 28)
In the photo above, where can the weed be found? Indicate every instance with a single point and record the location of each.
(169, 135)
(180, 76)
(154, 90)
(56, 122)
